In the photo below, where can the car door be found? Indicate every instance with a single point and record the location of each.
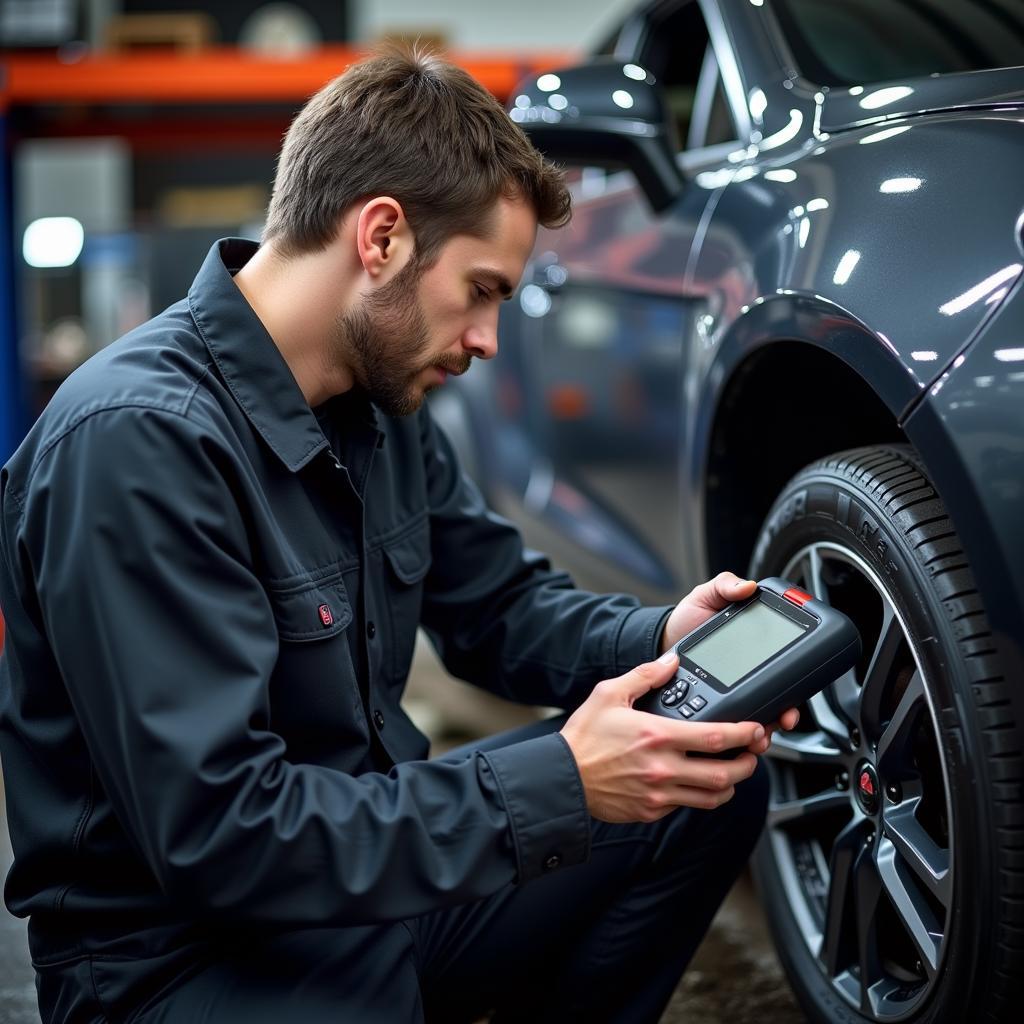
(605, 318)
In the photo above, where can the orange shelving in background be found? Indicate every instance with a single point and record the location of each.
(217, 75)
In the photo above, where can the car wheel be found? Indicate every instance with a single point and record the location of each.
(891, 864)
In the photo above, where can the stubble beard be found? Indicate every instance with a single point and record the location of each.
(383, 341)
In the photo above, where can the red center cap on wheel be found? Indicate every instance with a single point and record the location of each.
(867, 787)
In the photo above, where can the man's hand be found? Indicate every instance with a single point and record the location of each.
(696, 608)
(701, 603)
(634, 765)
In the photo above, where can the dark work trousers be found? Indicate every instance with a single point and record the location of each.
(603, 941)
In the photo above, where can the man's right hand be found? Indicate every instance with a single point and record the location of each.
(634, 765)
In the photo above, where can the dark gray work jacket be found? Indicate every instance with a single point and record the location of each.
(212, 595)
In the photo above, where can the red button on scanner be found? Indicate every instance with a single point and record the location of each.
(797, 596)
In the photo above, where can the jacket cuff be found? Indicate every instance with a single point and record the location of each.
(547, 811)
(639, 637)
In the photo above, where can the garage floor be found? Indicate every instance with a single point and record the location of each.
(735, 977)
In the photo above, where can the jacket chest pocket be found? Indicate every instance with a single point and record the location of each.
(315, 703)
(406, 562)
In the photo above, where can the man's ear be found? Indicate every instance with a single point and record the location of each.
(384, 239)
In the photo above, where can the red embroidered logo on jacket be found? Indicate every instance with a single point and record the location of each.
(325, 615)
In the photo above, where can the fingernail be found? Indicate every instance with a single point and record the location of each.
(758, 732)
(669, 655)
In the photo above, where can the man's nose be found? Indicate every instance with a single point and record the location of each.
(481, 340)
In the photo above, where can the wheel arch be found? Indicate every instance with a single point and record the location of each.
(796, 425)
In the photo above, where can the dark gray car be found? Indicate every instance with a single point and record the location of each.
(788, 339)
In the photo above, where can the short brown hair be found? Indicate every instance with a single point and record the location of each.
(409, 125)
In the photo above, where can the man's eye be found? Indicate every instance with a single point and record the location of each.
(482, 293)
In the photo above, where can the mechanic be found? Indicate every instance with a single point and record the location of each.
(217, 544)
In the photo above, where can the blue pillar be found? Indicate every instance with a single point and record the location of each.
(13, 406)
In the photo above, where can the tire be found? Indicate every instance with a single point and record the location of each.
(915, 749)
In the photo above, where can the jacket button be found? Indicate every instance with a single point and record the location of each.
(371, 630)
(378, 719)
(553, 861)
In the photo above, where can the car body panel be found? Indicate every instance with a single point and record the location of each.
(876, 223)
(970, 432)
(883, 101)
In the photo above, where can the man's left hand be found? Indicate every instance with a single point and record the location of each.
(696, 608)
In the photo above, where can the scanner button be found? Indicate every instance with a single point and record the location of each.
(697, 703)
(670, 698)
(687, 711)
(681, 689)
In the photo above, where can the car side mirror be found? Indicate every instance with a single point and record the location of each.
(604, 113)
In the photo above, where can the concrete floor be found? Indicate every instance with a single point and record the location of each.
(735, 977)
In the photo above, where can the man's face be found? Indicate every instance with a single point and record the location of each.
(405, 338)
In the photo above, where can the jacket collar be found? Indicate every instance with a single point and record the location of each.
(251, 364)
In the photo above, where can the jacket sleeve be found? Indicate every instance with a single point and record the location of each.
(501, 617)
(166, 642)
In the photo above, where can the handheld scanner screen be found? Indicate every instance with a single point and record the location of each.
(745, 641)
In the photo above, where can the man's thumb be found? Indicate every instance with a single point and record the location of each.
(649, 676)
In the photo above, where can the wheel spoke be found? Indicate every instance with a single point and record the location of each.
(912, 909)
(827, 720)
(880, 670)
(892, 755)
(814, 577)
(785, 812)
(804, 747)
(835, 953)
(867, 891)
(845, 697)
(928, 861)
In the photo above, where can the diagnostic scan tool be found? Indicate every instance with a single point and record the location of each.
(758, 657)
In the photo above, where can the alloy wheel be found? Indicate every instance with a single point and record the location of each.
(860, 822)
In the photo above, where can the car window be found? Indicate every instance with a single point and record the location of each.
(856, 42)
(677, 51)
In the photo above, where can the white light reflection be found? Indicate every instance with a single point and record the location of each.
(1009, 355)
(845, 268)
(534, 301)
(980, 290)
(856, 90)
(805, 230)
(623, 99)
(885, 133)
(549, 83)
(895, 186)
(714, 179)
(787, 134)
(925, 357)
(745, 173)
(883, 97)
(798, 211)
(996, 297)
(53, 242)
(517, 114)
(757, 3)
(784, 174)
(817, 204)
(635, 72)
(522, 102)
(558, 101)
(758, 103)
